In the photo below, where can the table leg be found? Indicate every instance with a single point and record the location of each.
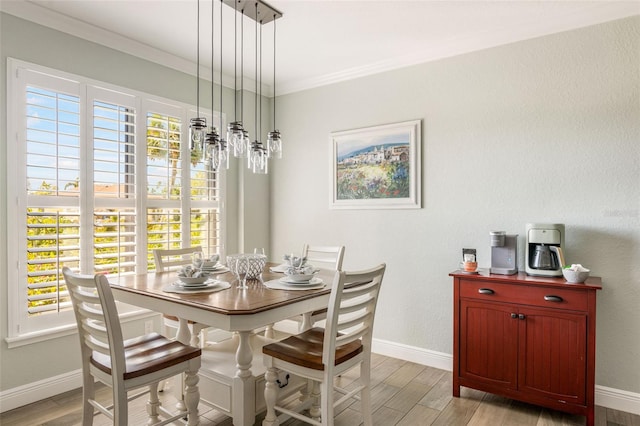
(183, 335)
(306, 322)
(244, 386)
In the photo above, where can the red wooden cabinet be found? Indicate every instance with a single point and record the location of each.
(526, 338)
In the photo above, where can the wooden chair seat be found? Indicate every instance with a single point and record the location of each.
(305, 349)
(147, 354)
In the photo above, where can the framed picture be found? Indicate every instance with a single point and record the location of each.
(377, 167)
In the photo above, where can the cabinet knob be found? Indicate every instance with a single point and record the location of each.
(521, 316)
(552, 298)
(514, 315)
(485, 291)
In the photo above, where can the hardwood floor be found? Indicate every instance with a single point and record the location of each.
(403, 394)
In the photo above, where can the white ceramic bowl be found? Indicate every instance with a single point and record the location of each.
(300, 277)
(193, 280)
(575, 276)
(211, 262)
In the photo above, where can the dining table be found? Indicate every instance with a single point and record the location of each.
(231, 378)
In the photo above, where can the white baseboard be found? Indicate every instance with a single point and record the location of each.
(605, 397)
(434, 359)
(32, 392)
(618, 399)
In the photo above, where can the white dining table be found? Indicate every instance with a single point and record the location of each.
(231, 375)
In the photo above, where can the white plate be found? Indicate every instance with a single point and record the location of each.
(211, 287)
(280, 268)
(207, 284)
(214, 267)
(312, 281)
(281, 285)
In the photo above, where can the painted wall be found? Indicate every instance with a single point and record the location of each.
(37, 44)
(544, 130)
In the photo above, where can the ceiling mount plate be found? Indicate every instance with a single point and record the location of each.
(266, 12)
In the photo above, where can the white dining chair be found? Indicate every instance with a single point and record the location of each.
(320, 355)
(125, 365)
(325, 257)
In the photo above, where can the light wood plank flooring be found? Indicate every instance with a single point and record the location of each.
(403, 394)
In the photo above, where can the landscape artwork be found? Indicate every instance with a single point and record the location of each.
(377, 167)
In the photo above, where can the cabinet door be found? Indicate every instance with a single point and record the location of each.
(553, 354)
(488, 343)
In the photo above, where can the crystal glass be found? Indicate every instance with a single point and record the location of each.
(242, 268)
(238, 265)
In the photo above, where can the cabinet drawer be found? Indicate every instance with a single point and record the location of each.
(548, 297)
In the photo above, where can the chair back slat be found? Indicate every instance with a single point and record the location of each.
(90, 312)
(173, 259)
(351, 310)
(356, 307)
(324, 257)
(98, 346)
(97, 318)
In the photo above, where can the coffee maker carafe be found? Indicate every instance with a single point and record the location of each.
(544, 249)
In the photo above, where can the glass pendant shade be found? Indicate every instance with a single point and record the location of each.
(235, 139)
(197, 135)
(223, 155)
(211, 143)
(258, 161)
(274, 145)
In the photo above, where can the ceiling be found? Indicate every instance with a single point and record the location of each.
(319, 41)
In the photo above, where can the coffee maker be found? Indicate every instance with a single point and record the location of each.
(544, 249)
(504, 253)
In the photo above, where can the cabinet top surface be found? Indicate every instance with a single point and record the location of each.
(592, 283)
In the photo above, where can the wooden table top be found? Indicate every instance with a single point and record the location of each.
(233, 301)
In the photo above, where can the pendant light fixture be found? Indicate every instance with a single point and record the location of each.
(223, 146)
(235, 128)
(208, 144)
(212, 140)
(198, 125)
(274, 142)
(258, 160)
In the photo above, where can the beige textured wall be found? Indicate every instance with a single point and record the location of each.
(544, 130)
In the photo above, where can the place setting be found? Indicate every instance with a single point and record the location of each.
(212, 265)
(195, 279)
(298, 275)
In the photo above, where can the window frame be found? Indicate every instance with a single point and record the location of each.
(23, 329)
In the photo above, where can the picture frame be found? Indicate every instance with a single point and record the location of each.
(377, 167)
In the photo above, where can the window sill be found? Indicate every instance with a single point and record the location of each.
(67, 330)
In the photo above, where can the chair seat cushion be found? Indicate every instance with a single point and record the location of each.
(147, 354)
(305, 349)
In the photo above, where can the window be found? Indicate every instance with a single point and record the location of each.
(99, 180)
